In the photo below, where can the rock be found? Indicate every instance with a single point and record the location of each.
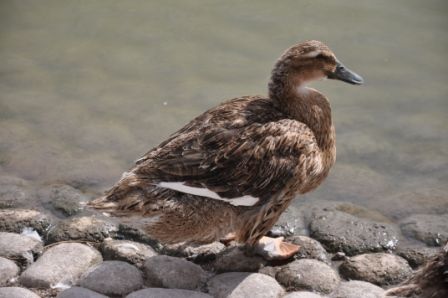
(61, 264)
(302, 295)
(428, 228)
(416, 255)
(21, 248)
(291, 222)
(167, 293)
(113, 278)
(310, 249)
(15, 220)
(13, 196)
(308, 274)
(130, 232)
(241, 284)
(339, 256)
(356, 289)
(63, 198)
(235, 260)
(269, 271)
(171, 272)
(82, 228)
(16, 292)
(340, 231)
(77, 292)
(8, 271)
(129, 251)
(378, 268)
(196, 253)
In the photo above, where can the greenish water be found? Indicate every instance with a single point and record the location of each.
(86, 87)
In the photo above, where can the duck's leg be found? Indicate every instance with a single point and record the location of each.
(275, 248)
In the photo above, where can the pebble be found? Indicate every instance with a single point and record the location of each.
(234, 259)
(308, 274)
(16, 292)
(167, 293)
(128, 251)
(429, 228)
(310, 249)
(172, 272)
(64, 198)
(20, 248)
(416, 255)
(357, 289)
(113, 278)
(302, 295)
(196, 253)
(82, 228)
(62, 264)
(77, 292)
(15, 220)
(8, 271)
(339, 231)
(241, 284)
(378, 268)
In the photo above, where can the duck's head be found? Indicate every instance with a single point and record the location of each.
(312, 60)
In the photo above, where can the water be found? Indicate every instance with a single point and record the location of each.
(86, 87)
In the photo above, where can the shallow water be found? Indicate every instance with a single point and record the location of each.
(89, 86)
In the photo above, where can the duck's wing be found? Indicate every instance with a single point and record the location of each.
(244, 165)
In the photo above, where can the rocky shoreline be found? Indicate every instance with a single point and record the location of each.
(346, 251)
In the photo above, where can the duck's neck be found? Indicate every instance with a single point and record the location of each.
(303, 104)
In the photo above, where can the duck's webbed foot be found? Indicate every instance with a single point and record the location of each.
(275, 249)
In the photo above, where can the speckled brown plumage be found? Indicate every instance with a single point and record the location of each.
(271, 148)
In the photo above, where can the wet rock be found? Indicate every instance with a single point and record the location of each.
(340, 231)
(15, 220)
(377, 268)
(129, 251)
(302, 295)
(113, 278)
(77, 292)
(130, 232)
(356, 289)
(13, 192)
(61, 264)
(171, 272)
(416, 255)
(310, 249)
(82, 228)
(197, 253)
(8, 271)
(63, 198)
(23, 249)
(234, 259)
(428, 228)
(16, 292)
(291, 222)
(240, 284)
(308, 274)
(167, 293)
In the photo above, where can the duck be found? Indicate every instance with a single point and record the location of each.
(232, 171)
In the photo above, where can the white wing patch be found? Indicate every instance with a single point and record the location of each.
(204, 192)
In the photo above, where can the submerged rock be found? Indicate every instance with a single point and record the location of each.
(62, 264)
(16, 220)
(378, 268)
(234, 259)
(16, 292)
(63, 198)
(20, 248)
(308, 274)
(357, 289)
(428, 228)
(167, 293)
(8, 271)
(77, 292)
(241, 284)
(129, 251)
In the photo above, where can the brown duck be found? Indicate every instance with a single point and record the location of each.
(231, 172)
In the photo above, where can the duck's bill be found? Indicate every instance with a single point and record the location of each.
(342, 73)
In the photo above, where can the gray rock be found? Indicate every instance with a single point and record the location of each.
(197, 253)
(113, 278)
(308, 274)
(340, 231)
(302, 295)
(61, 264)
(63, 198)
(291, 222)
(82, 228)
(21, 248)
(235, 260)
(8, 271)
(428, 228)
(416, 255)
(357, 289)
(310, 249)
(167, 293)
(377, 268)
(77, 292)
(171, 272)
(270, 271)
(16, 292)
(129, 251)
(241, 284)
(15, 220)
